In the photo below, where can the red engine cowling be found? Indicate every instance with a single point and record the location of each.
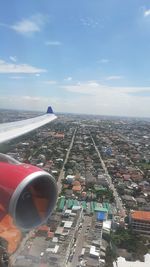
(27, 193)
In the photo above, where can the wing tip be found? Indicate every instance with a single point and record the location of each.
(49, 110)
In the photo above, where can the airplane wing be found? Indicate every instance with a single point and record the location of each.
(15, 129)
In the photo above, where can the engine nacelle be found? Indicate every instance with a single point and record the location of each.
(27, 193)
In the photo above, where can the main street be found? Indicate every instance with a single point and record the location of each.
(80, 242)
(117, 198)
(62, 172)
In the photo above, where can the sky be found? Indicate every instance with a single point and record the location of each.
(80, 56)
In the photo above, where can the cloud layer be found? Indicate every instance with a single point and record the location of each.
(89, 97)
(28, 26)
(7, 67)
(95, 98)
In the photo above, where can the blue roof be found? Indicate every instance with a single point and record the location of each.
(101, 216)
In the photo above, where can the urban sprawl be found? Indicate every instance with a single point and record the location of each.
(102, 217)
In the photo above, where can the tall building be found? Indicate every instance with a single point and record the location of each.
(140, 221)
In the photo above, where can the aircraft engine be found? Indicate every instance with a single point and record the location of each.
(27, 193)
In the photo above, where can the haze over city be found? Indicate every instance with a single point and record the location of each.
(78, 56)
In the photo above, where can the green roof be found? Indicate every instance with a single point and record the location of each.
(75, 202)
(62, 203)
(84, 205)
(100, 209)
(69, 203)
(100, 188)
(107, 206)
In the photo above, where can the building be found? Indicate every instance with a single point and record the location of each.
(121, 262)
(140, 221)
(76, 186)
(70, 179)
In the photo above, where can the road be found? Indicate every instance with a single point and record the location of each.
(117, 198)
(62, 172)
(80, 242)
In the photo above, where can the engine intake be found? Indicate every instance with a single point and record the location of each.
(28, 193)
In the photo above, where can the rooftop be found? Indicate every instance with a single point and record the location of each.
(141, 215)
(121, 262)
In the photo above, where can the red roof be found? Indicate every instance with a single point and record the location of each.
(126, 176)
(59, 135)
(76, 183)
(43, 228)
(50, 234)
(76, 188)
(140, 215)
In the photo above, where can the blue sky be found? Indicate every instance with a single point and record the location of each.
(86, 56)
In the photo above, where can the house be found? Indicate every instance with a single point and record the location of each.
(76, 186)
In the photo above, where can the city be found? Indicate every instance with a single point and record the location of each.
(75, 133)
(102, 168)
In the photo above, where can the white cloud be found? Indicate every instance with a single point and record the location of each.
(92, 97)
(13, 58)
(30, 98)
(93, 84)
(29, 102)
(114, 77)
(50, 82)
(104, 60)
(68, 79)
(147, 13)
(88, 88)
(53, 43)
(7, 67)
(26, 27)
(95, 88)
(30, 25)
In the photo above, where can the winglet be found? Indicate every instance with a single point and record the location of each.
(49, 110)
